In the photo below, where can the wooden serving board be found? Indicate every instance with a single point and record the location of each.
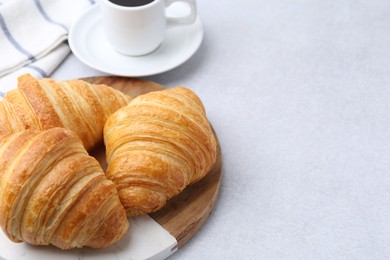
(184, 214)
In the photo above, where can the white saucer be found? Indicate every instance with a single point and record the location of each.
(87, 41)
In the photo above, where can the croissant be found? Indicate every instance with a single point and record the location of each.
(53, 192)
(157, 145)
(73, 104)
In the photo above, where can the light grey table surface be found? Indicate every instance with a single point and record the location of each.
(298, 92)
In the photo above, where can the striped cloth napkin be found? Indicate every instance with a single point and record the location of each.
(33, 36)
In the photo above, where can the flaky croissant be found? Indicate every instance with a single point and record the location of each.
(156, 146)
(73, 104)
(53, 192)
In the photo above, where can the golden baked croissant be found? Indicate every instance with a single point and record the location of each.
(73, 104)
(53, 192)
(156, 146)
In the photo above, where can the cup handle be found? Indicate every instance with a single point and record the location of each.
(188, 19)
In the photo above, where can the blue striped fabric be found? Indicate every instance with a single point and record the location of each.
(46, 17)
(11, 39)
(38, 69)
(37, 53)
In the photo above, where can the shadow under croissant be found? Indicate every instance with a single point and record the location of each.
(51, 252)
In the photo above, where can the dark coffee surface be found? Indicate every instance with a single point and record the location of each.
(131, 3)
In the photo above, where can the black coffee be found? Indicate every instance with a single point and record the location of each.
(131, 3)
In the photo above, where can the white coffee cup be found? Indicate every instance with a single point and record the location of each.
(139, 30)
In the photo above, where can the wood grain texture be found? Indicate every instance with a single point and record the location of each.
(184, 214)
